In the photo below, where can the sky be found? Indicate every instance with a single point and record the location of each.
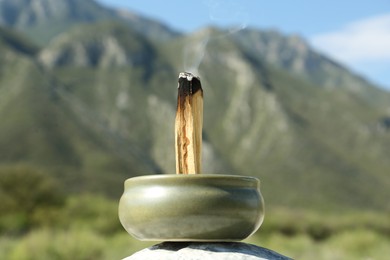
(356, 33)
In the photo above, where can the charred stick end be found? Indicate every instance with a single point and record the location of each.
(188, 124)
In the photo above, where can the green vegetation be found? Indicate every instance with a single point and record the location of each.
(87, 227)
(38, 221)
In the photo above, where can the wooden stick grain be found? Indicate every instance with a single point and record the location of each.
(188, 125)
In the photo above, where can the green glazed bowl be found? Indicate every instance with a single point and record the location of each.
(196, 207)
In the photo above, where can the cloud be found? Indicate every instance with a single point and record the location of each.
(367, 40)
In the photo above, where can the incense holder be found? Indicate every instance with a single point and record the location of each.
(195, 207)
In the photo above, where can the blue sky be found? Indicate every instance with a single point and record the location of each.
(356, 33)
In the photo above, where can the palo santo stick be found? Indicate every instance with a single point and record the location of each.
(188, 125)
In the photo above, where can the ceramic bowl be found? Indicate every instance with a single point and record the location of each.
(199, 207)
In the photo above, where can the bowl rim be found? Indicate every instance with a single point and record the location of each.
(192, 177)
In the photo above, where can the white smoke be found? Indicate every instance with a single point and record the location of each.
(194, 53)
(221, 12)
(232, 12)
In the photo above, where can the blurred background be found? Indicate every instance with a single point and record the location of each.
(296, 94)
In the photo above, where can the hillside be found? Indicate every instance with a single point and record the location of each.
(96, 105)
(39, 129)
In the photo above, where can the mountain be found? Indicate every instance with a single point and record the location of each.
(292, 53)
(38, 127)
(42, 20)
(96, 105)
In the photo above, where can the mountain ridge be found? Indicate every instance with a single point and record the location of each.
(90, 115)
(42, 20)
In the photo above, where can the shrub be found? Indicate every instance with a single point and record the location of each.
(91, 211)
(24, 190)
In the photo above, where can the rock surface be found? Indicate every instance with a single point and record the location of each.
(206, 251)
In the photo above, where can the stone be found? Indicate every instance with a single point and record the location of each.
(206, 251)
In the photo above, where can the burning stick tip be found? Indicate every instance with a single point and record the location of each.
(189, 76)
(188, 84)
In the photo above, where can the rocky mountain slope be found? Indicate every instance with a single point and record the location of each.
(96, 105)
